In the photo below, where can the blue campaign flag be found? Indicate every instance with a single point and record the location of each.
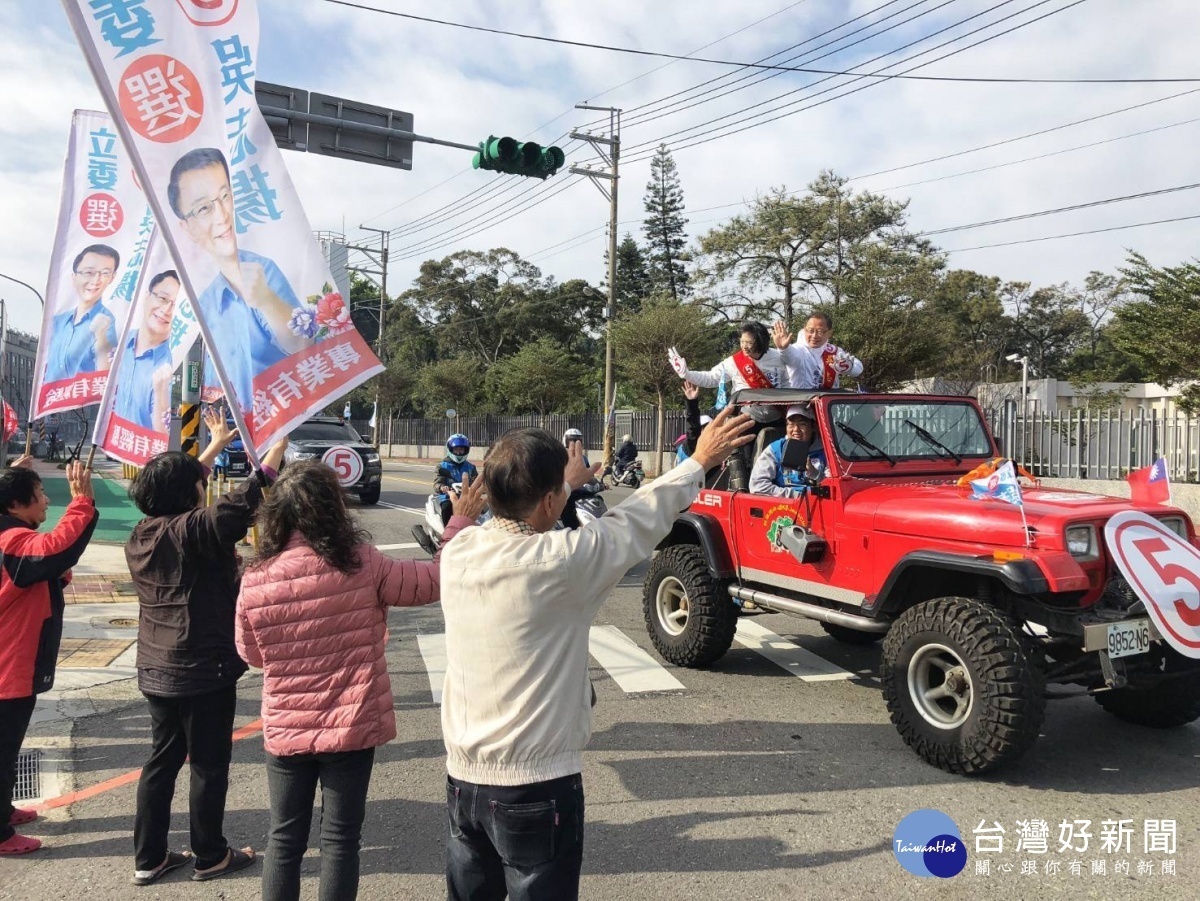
(1001, 485)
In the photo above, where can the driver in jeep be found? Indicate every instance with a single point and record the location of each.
(771, 476)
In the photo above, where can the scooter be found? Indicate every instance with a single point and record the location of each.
(429, 535)
(631, 476)
(589, 507)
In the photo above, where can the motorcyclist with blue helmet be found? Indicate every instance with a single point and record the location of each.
(452, 469)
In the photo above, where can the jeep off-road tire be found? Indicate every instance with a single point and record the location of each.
(847, 635)
(1164, 706)
(960, 685)
(370, 497)
(690, 617)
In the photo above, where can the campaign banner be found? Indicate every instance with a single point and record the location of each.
(103, 226)
(134, 423)
(178, 77)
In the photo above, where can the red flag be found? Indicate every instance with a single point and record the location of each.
(1150, 485)
(11, 423)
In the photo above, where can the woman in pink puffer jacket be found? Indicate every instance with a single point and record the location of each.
(312, 614)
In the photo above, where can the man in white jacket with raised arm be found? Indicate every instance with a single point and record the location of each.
(518, 599)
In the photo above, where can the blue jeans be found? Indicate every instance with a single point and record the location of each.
(292, 784)
(523, 840)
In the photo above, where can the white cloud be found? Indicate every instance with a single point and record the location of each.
(464, 85)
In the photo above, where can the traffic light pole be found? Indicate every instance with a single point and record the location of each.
(384, 241)
(609, 149)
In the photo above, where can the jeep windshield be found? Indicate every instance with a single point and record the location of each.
(323, 431)
(908, 430)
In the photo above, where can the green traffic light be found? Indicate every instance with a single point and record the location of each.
(508, 156)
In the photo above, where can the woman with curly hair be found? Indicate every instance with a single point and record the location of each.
(312, 614)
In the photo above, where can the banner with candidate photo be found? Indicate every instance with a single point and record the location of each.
(103, 227)
(134, 423)
(178, 77)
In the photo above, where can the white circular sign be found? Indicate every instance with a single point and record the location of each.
(344, 461)
(1164, 570)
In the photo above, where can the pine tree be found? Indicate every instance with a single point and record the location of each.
(666, 240)
(633, 277)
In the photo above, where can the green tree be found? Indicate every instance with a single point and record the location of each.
(969, 315)
(633, 276)
(1160, 329)
(1048, 326)
(640, 345)
(806, 250)
(883, 317)
(542, 377)
(452, 383)
(664, 227)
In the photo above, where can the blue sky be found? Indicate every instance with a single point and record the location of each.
(464, 86)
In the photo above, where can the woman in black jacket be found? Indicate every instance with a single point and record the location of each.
(183, 561)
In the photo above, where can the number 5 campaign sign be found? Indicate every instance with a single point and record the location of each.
(178, 78)
(1164, 570)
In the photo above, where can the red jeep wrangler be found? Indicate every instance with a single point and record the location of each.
(981, 621)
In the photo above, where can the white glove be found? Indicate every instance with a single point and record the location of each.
(678, 363)
(842, 362)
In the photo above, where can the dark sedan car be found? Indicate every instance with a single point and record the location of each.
(358, 466)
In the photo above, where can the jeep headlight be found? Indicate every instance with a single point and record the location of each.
(371, 458)
(1176, 524)
(1081, 541)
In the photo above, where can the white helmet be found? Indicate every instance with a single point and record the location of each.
(571, 435)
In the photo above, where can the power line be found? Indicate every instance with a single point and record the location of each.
(1091, 231)
(1065, 209)
(704, 137)
(767, 66)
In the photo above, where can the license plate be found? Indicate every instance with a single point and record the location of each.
(1126, 639)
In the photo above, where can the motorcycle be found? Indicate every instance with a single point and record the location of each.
(429, 535)
(631, 476)
(589, 506)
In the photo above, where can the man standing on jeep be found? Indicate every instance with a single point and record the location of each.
(769, 475)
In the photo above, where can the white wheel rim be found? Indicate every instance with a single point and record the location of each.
(940, 686)
(671, 604)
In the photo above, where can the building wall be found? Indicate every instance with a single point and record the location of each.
(20, 354)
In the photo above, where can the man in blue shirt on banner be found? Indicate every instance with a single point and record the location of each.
(144, 389)
(249, 305)
(82, 338)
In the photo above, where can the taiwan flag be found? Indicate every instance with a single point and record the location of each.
(1150, 485)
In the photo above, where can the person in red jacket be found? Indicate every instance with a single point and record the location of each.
(34, 571)
(312, 614)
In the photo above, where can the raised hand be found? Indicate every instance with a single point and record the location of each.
(577, 474)
(26, 461)
(725, 434)
(690, 391)
(781, 335)
(471, 500)
(79, 479)
(842, 362)
(678, 363)
(220, 434)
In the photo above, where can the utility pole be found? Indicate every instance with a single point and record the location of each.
(609, 149)
(380, 258)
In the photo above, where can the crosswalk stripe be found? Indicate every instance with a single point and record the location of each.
(796, 660)
(433, 652)
(630, 667)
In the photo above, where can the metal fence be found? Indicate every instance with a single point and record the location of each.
(1086, 444)
(484, 430)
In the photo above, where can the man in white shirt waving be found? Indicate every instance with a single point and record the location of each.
(830, 362)
(519, 598)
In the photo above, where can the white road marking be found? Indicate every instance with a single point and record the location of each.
(630, 667)
(796, 660)
(396, 547)
(433, 651)
(398, 507)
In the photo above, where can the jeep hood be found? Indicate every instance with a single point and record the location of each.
(947, 512)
